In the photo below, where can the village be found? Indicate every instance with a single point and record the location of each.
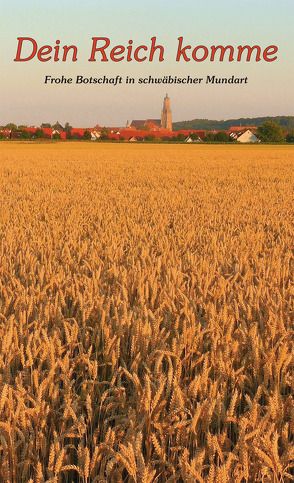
(138, 130)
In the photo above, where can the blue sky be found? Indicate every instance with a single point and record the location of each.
(28, 100)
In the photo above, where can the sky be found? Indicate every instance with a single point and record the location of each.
(26, 99)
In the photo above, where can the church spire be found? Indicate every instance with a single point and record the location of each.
(166, 114)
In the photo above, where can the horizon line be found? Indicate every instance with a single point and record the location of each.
(174, 122)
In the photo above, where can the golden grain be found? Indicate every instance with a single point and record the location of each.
(145, 313)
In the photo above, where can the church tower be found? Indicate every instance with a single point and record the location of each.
(166, 114)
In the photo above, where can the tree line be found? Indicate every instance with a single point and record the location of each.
(268, 132)
(287, 123)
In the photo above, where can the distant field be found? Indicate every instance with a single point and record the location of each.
(145, 306)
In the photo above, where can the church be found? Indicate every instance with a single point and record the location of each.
(156, 124)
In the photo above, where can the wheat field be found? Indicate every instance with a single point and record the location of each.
(145, 313)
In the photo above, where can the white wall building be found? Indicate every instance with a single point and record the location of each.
(245, 137)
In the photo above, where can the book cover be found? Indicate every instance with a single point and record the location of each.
(146, 235)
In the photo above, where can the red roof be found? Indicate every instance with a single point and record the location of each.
(129, 132)
(47, 131)
(242, 128)
(80, 131)
(187, 132)
(115, 137)
(31, 130)
(6, 132)
(126, 133)
(76, 131)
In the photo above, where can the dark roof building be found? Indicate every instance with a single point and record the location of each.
(58, 127)
(145, 124)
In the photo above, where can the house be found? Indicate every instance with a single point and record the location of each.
(148, 124)
(95, 134)
(5, 133)
(187, 132)
(246, 136)
(58, 127)
(77, 132)
(47, 131)
(242, 128)
(127, 134)
(31, 131)
(189, 140)
(57, 132)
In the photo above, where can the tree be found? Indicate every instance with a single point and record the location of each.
(68, 128)
(181, 137)
(45, 125)
(194, 136)
(222, 137)
(290, 136)
(149, 138)
(87, 135)
(104, 134)
(11, 126)
(209, 138)
(39, 133)
(56, 135)
(24, 135)
(270, 132)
